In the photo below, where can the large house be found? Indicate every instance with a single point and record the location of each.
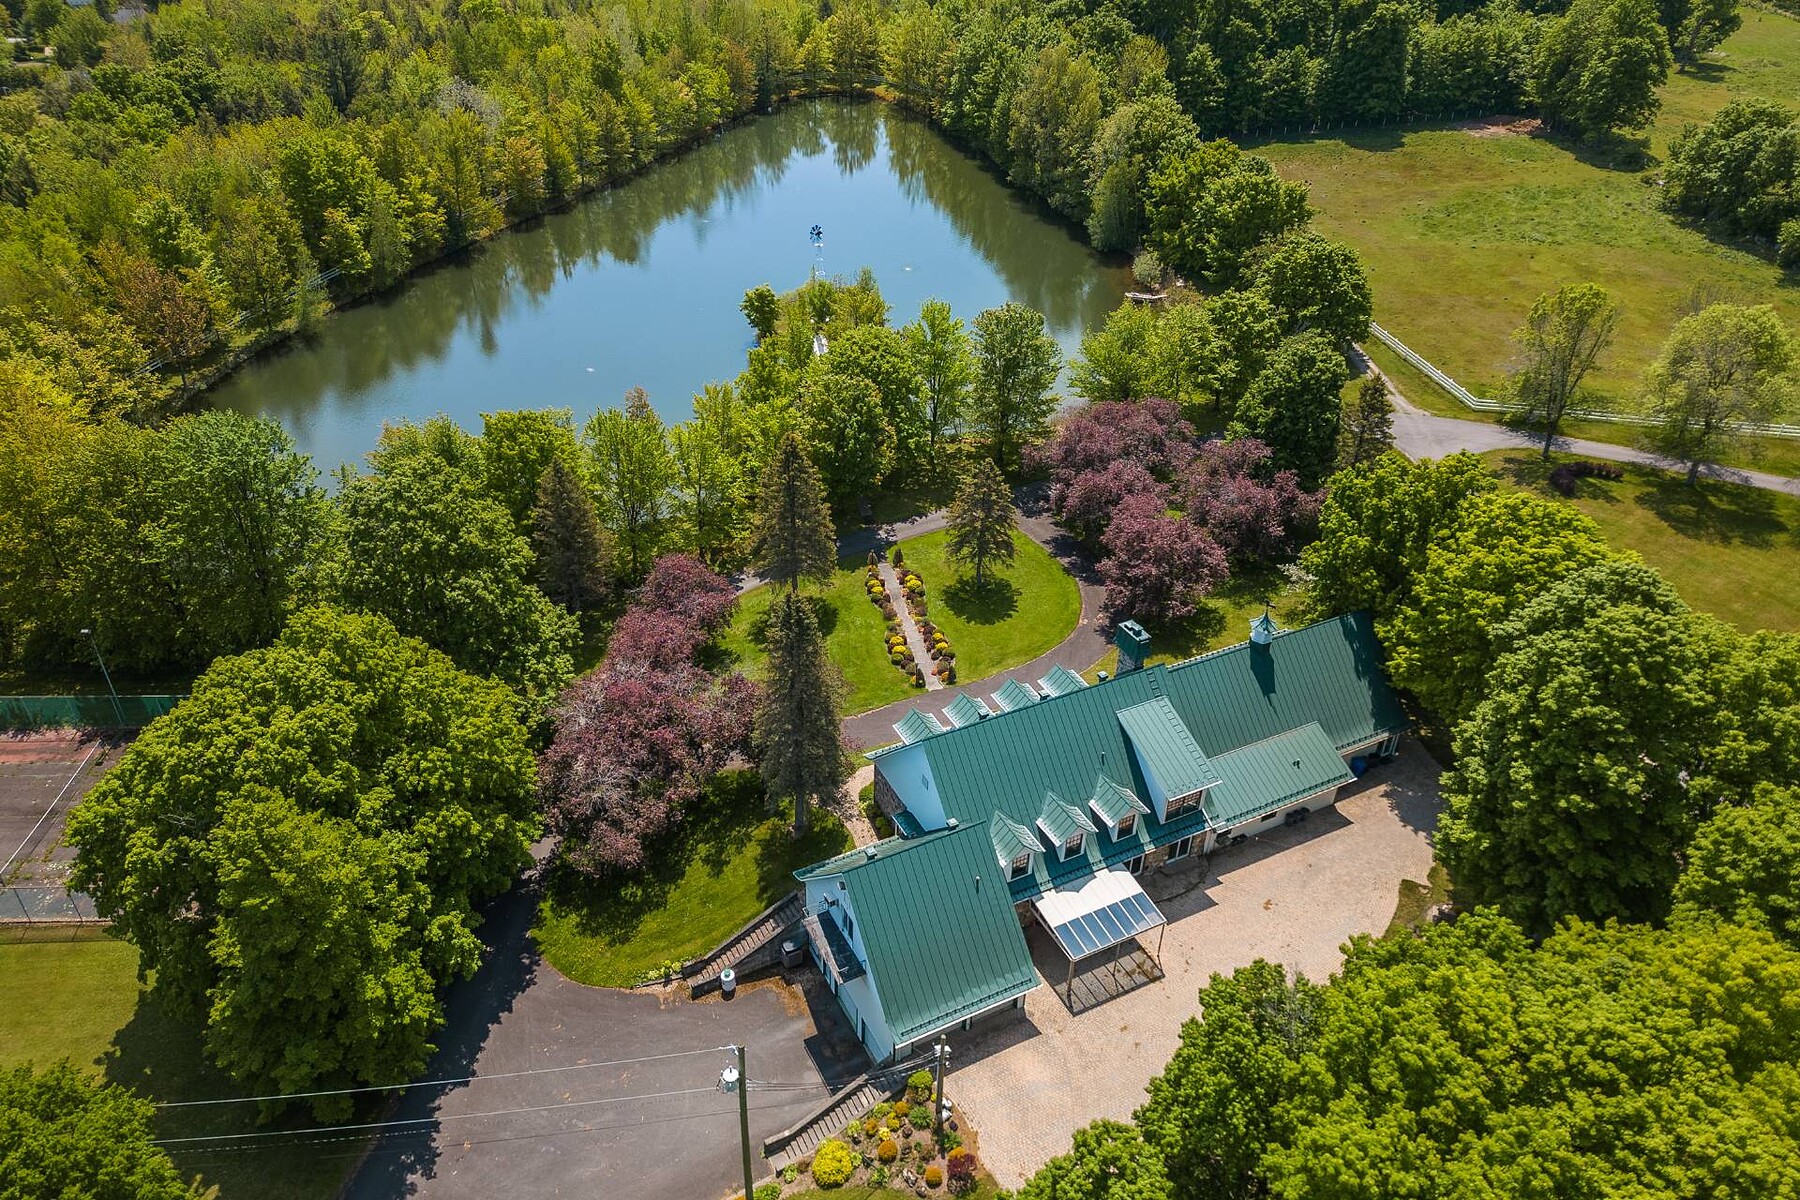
(1047, 804)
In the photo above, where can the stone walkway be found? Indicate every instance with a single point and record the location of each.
(909, 625)
(1295, 895)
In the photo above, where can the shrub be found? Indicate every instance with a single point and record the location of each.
(878, 1177)
(897, 557)
(767, 1191)
(833, 1164)
(918, 1087)
(887, 610)
(902, 1108)
(893, 1120)
(961, 1171)
(872, 1126)
(1563, 477)
(802, 1166)
(918, 678)
(888, 1151)
(880, 1111)
(934, 1176)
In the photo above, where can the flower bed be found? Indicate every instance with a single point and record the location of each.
(893, 1146)
(937, 644)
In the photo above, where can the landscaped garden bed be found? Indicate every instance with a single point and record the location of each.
(890, 1151)
(942, 658)
(1023, 611)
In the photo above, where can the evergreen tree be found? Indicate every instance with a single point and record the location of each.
(794, 531)
(981, 520)
(574, 555)
(1368, 424)
(797, 732)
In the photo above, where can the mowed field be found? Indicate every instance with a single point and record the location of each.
(1461, 232)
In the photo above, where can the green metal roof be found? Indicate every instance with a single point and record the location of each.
(1262, 777)
(965, 710)
(1061, 681)
(915, 726)
(1112, 802)
(1061, 820)
(1010, 838)
(1014, 695)
(1166, 748)
(937, 921)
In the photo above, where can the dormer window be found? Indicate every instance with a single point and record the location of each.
(1072, 844)
(1126, 826)
(1021, 867)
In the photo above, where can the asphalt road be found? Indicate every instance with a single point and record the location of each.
(655, 1127)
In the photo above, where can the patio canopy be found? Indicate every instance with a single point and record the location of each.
(1101, 912)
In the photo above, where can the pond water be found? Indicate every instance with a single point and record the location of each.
(639, 285)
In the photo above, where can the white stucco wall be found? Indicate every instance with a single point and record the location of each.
(908, 772)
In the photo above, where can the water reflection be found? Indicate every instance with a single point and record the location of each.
(639, 285)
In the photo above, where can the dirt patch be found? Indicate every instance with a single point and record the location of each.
(1501, 126)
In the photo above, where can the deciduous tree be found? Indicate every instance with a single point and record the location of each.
(1366, 430)
(1157, 567)
(847, 433)
(631, 471)
(1107, 1161)
(1744, 865)
(297, 849)
(940, 352)
(1293, 407)
(1015, 365)
(1722, 367)
(1598, 67)
(66, 1136)
(1563, 336)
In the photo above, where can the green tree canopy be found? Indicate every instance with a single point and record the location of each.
(1563, 336)
(1108, 1161)
(297, 849)
(1210, 209)
(1598, 67)
(794, 533)
(981, 521)
(798, 740)
(1500, 553)
(1015, 366)
(516, 450)
(1744, 865)
(1571, 790)
(1315, 284)
(630, 469)
(572, 562)
(847, 433)
(63, 1136)
(940, 351)
(1294, 406)
(427, 549)
(1720, 367)
(1368, 424)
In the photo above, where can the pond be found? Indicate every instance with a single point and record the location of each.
(639, 285)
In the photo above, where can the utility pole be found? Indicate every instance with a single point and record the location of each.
(744, 1122)
(937, 1104)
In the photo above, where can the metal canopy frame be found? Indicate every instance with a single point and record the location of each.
(1119, 918)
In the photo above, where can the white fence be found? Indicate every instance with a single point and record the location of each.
(1470, 400)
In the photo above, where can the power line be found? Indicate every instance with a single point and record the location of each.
(499, 1112)
(395, 1087)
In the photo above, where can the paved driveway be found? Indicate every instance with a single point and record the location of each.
(1294, 896)
(654, 1128)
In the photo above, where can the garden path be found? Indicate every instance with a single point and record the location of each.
(909, 625)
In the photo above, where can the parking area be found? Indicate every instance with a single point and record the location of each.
(1294, 896)
(583, 1091)
(43, 776)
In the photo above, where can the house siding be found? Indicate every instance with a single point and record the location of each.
(864, 1009)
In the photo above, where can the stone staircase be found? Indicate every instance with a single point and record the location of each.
(828, 1120)
(756, 946)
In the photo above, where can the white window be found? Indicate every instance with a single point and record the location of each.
(1127, 823)
(1183, 803)
(1181, 849)
(1072, 845)
(1021, 866)
(1135, 865)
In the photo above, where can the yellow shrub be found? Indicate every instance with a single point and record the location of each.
(833, 1164)
(888, 1151)
(934, 1175)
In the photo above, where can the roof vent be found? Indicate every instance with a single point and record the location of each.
(1263, 628)
(950, 824)
(868, 852)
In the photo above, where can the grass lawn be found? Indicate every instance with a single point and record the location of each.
(1460, 233)
(727, 861)
(81, 1000)
(1730, 550)
(1027, 609)
(1223, 620)
(985, 1189)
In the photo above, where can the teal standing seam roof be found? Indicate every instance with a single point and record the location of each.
(965, 710)
(1011, 839)
(1259, 778)
(916, 726)
(1062, 820)
(1061, 681)
(1113, 802)
(1014, 695)
(1167, 749)
(938, 924)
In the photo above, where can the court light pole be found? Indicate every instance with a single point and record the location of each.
(118, 709)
